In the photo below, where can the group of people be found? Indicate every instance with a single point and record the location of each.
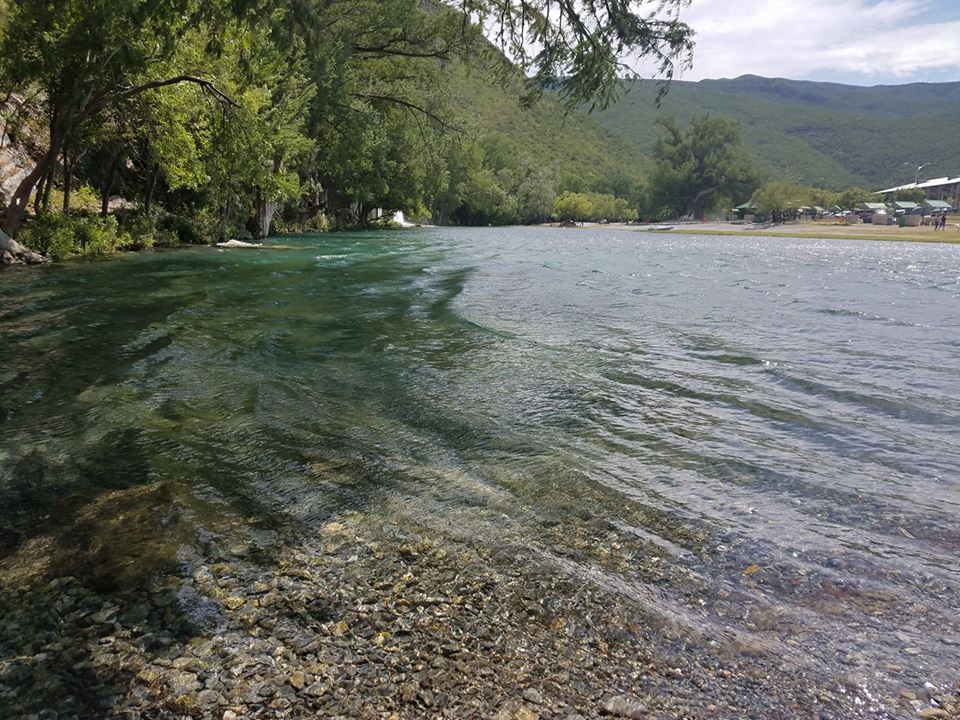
(940, 223)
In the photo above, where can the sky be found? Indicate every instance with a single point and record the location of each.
(860, 42)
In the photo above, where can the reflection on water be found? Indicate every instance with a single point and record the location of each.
(750, 438)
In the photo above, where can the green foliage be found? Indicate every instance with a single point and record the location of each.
(912, 195)
(576, 48)
(824, 198)
(51, 235)
(699, 168)
(780, 196)
(211, 115)
(60, 236)
(572, 206)
(141, 231)
(854, 198)
(83, 198)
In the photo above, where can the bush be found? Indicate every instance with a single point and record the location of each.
(139, 230)
(58, 236)
(98, 235)
(51, 235)
(178, 230)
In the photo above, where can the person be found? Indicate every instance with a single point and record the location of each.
(943, 220)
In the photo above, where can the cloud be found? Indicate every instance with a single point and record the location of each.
(865, 41)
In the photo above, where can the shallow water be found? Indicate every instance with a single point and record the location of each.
(751, 438)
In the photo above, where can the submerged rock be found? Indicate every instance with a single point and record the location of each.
(625, 706)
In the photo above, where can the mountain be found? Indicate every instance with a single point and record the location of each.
(828, 134)
(581, 153)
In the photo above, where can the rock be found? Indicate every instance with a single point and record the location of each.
(297, 679)
(183, 683)
(934, 713)
(148, 676)
(234, 602)
(229, 715)
(318, 689)
(408, 693)
(208, 698)
(513, 710)
(532, 696)
(908, 695)
(624, 706)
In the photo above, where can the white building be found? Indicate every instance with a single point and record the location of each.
(945, 188)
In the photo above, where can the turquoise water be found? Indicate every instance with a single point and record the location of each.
(775, 420)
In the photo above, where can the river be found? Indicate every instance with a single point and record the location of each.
(748, 445)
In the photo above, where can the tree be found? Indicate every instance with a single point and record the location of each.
(824, 198)
(701, 167)
(578, 46)
(855, 197)
(915, 195)
(781, 197)
(572, 207)
(87, 57)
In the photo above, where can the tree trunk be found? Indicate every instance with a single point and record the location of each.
(17, 209)
(38, 196)
(11, 251)
(108, 188)
(265, 213)
(151, 187)
(47, 187)
(67, 180)
(224, 219)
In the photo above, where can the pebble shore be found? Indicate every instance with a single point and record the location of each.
(367, 618)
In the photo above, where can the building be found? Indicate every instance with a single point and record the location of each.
(946, 189)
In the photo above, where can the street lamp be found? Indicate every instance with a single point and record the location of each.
(916, 177)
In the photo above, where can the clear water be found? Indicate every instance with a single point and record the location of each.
(774, 422)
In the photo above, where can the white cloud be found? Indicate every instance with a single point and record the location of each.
(852, 40)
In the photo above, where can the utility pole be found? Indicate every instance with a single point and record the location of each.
(916, 176)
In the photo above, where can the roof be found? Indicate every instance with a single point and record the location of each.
(938, 204)
(746, 206)
(905, 205)
(875, 206)
(938, 182)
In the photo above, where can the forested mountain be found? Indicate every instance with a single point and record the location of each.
(822, 134)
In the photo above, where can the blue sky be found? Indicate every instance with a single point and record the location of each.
(861, 42)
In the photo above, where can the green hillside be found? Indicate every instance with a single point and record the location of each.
(580, 152)
(827, 134)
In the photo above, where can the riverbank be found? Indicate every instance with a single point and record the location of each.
(810, 230)
(813, 230)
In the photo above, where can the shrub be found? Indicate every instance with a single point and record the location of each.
(139, 230)
(97, 235)
(178, 230)
(318, 223)
(51, 235)
(58, 236)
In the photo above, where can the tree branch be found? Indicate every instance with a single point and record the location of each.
(408, 105)
(100, 104)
